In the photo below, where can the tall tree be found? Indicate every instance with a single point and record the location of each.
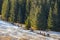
(12, 10)
(58, 3)
(5, 10)
(50, 19)
(34, 11)
(55, 17)
(21, 11)
(1, 2)
(38, 14)
(27, 18)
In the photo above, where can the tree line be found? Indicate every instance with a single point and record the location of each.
(35, 14)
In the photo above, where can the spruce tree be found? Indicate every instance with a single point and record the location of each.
(27, 23)
(12, 11)
(27, 17)
(50, 19)
(21, 11)
(55, 17)
(5, 10)
(34, 11)
(38, 14)
(1, 2)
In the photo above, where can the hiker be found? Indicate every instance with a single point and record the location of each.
(48, 35)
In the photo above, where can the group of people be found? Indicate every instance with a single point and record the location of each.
(44, 34)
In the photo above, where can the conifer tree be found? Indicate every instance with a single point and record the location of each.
(1, 2)
(34, 11)
(21, 11)
(5, 10)
(27, 17)
(50, 19)
(55, 17)
(12, 10)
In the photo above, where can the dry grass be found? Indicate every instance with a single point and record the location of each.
(5, 38)
(11, 38)
(23, 39)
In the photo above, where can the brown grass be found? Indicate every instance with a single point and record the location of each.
(5, 38)
(23, 39)
(11, 38)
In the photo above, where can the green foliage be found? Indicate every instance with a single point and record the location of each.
(12, 10)
(35, 14)
(27, 23)
(50, 19)
(55, 17)
(21, 11)
(38, 14)
(1, 1)
(5, 9)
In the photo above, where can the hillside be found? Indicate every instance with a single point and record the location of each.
(29, 19)
(12, 32)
